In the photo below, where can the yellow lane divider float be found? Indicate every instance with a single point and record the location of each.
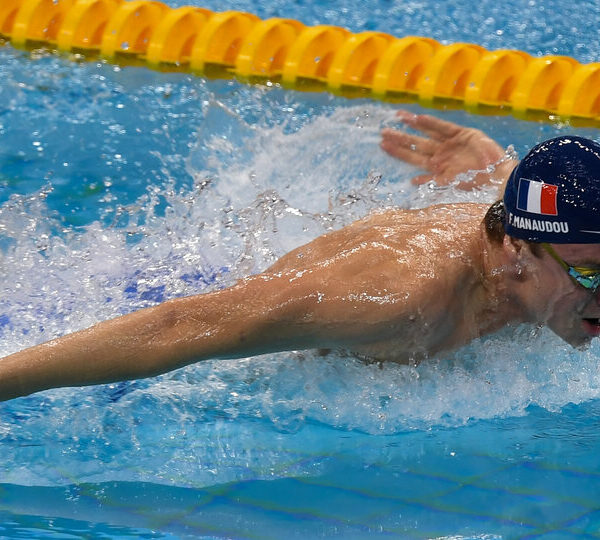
(287, 51)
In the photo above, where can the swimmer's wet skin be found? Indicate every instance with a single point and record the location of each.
(399, 285)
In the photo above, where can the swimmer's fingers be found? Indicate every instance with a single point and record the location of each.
(410, 148)
(438, 130)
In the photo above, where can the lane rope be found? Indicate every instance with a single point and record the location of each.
(286, 51)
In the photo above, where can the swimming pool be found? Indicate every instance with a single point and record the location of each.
(121, 187)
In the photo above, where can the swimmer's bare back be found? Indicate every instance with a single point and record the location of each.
(397, 285)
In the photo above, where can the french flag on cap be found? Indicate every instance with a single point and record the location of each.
(537, 197)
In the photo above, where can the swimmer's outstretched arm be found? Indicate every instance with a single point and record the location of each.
(253, 317)
(447, 150)
(289, 307)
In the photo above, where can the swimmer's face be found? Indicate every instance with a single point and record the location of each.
(573, 311)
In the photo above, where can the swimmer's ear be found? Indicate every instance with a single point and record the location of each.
(517, 253)
(512, 247)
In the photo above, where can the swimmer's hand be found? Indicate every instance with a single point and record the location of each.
(447, 151)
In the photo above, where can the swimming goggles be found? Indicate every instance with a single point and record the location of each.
(588, 278)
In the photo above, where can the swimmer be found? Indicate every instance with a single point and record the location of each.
(397, 285)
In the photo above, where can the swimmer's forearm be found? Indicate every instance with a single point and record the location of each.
(142, 344)
(119, 349)
(502, 172)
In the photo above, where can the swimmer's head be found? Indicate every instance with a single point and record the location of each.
(553, 195)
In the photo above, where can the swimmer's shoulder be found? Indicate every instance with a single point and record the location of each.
(451, 213)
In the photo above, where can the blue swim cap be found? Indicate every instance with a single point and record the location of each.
(553, 195)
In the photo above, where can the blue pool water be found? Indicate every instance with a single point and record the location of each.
(122, 187)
